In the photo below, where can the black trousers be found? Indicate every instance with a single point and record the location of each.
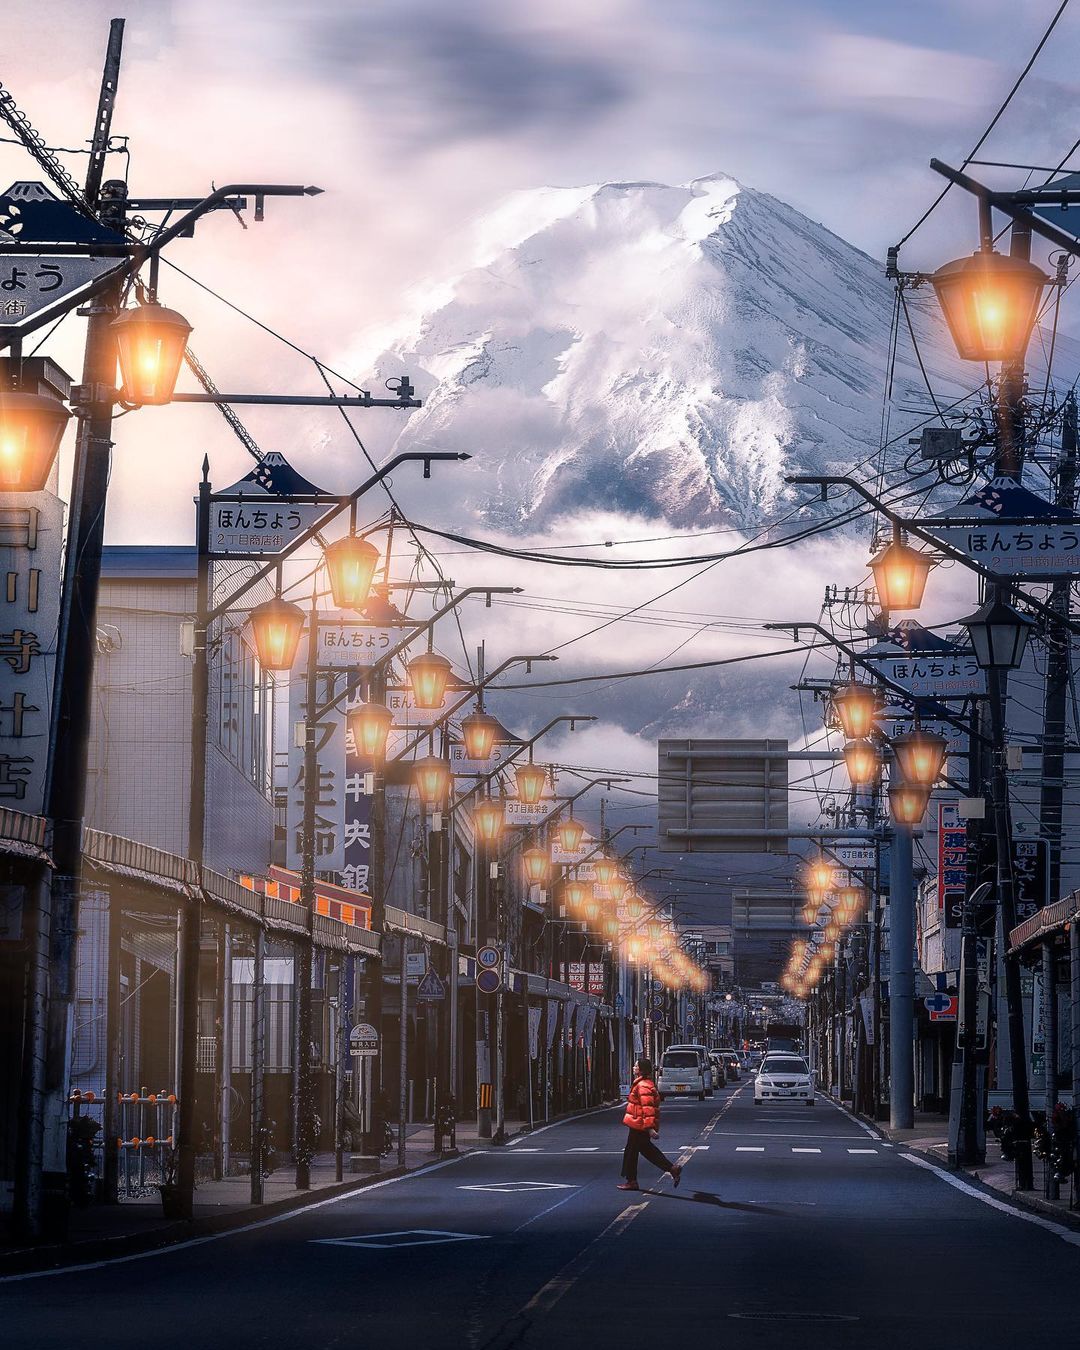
(640, 1144)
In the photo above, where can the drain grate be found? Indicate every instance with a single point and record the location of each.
(793, 1317)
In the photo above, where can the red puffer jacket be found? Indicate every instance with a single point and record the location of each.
(643, 1106)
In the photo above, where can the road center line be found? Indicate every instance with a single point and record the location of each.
(546, 1297)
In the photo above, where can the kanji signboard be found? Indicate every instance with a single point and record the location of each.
(926, 666)
(346, 642)
(256, 516)
(330, 787)
(952, 878)
(356, 843)
(1011, 531)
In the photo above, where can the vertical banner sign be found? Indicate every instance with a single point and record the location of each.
(534, 1031)
(551, 1022)
(596, 978)
(356, 868)
(330, 787)
(952, 863)
(30, 535)
(1038, 1021)
(1031, 876)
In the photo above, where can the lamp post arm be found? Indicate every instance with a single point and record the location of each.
(468, 694)
(343, 504)
(603, 843)
(525, 745)
(1011, 204)
(826, 481)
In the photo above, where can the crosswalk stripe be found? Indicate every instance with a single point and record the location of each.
(582, 1150)
(862, 1150)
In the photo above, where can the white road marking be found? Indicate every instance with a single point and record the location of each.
(806, 1150)
(419, 1237)
(520, 1187)
(750, 1148)
(592, 1149)
(1066, 1234)
(569, 1120)
(862, 1150)
(546, 1297)
(867, 1129)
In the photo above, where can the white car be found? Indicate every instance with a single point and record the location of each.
(784, 1077)
(681, 1073)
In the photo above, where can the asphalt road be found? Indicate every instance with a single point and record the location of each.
(792, 1227)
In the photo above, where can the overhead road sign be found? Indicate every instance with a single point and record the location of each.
(723, 796)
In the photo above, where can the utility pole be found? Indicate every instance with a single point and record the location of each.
(901, 980)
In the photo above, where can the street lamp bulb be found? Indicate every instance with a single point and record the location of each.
(488, 819)
(276, 628)
(863, 762)
(369, 725)
(31, 428)
(431, 774)
(908, 802)
(350, 565)
(998, 634)
(900, 573)
(150, 344)
(591, 909)
(478, 732)
(634, 907)
(920, 756)
(575, 895)
(618, 886)
(991, 303)
(568, 833)
(855, 705)
(537, 866)
(429, 674)
(605, 869)
(530, 779)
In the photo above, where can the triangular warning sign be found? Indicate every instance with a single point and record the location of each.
(431, 987)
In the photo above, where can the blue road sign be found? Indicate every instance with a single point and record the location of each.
(487, 957)
(489, 981)
(431, 987)
(657, 1015)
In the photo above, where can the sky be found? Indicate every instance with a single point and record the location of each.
(419, 117)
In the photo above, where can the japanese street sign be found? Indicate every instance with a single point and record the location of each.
(656, 1015)
(31, 530)
(926, 666)
(407, 716)
(1031, 876)
(859, 856)
(29, 283)
(363, 1041)
(952, 871)
(330, 789)
(619, 1003)
(255, 515)
(431, 988)
(941, 1007)
(568, 857)
(487, 957)
(356, 873)
(896, 721)
(488, 981)
(1012, 532)
(517, 813)
(461, 763)
(415, 964)
(346, 642)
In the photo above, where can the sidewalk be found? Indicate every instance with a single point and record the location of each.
(137, 1225)
(930, 1136)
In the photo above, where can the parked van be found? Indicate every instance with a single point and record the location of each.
(682, 1073)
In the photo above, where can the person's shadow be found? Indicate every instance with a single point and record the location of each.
(708, 1198)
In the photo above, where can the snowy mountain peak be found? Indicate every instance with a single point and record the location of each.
(664, 351)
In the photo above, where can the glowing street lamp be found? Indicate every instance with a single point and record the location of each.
(575, 893)
(863, 762)
(569, 832)
(611, 928)
(350, 565)
(530, 779)
(591, 909)
(432, 778)
(150, 343)
(31, 428)
(990, 302)
(370, 727)
(428, 675)
(537, 866)
(900, 573)
(478, 731)
(635, 908)
(276, 627)
(855, 705)
(618, 886)
(488, 819)
(819, 876)
(908, 802)
(920, 756)
(605, 869)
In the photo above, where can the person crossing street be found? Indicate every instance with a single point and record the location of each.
(642, 1119)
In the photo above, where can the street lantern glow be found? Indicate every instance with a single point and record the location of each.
(920, 756)
(591, 909)
(863, 762)
(575, 894)
(819, 876)
(611, 928)
(478, 731)
(998, 634)
(31, 428)
(276, 627)
(908, 802)
(428, 675)
(618, 886)
(350, 565)
(605, 869)
(370, 726)
(810, 911)
(432, 778)
(635, 948)
(537, 866)
(851, 903)
(569, 832)
(900, 573)
(635, 907)
(150, 343)
(488, 819)
(855, 705)
(530, 779)
(990, 302)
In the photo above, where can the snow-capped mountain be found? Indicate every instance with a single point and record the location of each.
(661, 351)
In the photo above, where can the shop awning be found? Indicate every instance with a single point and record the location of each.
(1049, 920)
